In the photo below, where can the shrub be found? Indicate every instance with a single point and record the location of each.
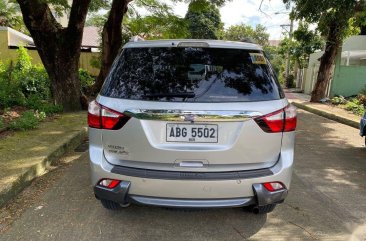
(1, 123)
(20, 80)
(28, 120)
(40, 115)
(35, 102)
(24, 60)
(355, 106)
(338, 100)
(36, 81)
(51, 109)
(32, 78)
(10, 91)
(290, 81)
(85, 78)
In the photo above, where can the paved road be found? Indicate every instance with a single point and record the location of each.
(327, 201)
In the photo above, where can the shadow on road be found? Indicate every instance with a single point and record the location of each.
(328, 181)
(147, 223)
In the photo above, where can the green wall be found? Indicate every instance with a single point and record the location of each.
(348, 80)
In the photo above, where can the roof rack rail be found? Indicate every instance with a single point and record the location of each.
(136, 39)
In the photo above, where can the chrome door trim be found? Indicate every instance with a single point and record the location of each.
(193, 116)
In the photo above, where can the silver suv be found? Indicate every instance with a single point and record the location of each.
(191, 124)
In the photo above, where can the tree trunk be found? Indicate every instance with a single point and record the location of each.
(111, 40)
(326, 64)
(58, 47)
(66, 84)
(363, 30)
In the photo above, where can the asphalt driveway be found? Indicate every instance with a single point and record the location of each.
(327, 201)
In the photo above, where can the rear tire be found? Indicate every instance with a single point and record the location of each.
(110, 205)
(264, 209)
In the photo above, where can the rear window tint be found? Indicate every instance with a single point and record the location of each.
(192, 75)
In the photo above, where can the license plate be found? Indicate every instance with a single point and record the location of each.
(194, 133)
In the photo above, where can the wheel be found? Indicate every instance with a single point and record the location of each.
(264, 209)
(110, 204)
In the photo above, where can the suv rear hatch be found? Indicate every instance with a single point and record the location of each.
(192, 108)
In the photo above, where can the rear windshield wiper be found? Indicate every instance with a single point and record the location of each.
(178, 94)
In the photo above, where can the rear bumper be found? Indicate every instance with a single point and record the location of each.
(120, 194)
(194, 193)
(155, 188)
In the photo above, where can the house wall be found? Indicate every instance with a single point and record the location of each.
(350, 79)
(353, 43)
(311, 73)
(347, 80)
(11, 54)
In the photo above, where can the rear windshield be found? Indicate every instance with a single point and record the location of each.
(192, 75)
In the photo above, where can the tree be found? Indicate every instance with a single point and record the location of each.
(204, 20)
(304, 43)
(242, 32)
(333, 19)
(111, 39)
(58, 47)
(114, 28)
(9, 16)
(160, 26)
(359, 21)
(277, 61)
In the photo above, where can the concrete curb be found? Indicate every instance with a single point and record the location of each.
(38, 169)
(328, 115)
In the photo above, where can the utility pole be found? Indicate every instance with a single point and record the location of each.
(288, 54)
(290, 33)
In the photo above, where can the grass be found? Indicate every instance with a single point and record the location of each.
(27, 121)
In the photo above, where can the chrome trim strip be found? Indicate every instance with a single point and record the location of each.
(193, 116)
(184, 175)
(192, 203)
(191, 164)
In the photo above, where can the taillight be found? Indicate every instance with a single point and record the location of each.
(291, 118)
(109, 183)
(273, 186)
(101, 117)
(283, 120)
